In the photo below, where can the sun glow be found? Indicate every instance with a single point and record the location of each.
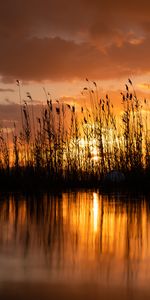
(90, 146)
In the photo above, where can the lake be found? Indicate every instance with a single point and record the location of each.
(75, 245)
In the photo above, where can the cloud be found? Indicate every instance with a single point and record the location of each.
(145, 86)
(66, 40)
(3, 90)
(10, 114)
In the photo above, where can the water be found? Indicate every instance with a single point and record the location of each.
(75, 245)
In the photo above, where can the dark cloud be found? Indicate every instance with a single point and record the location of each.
(63, 40)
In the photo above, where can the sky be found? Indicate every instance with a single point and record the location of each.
(57, 44)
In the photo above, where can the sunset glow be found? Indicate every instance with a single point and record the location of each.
(105, 52)
(75, 149)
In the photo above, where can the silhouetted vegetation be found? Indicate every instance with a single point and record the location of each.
(68, 147)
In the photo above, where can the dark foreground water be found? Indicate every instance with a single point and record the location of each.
(76, 245)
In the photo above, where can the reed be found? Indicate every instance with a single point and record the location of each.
(66, 146)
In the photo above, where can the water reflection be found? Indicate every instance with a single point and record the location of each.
(78, 237)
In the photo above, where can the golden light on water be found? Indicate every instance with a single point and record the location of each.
(95, 211)
(80, 235)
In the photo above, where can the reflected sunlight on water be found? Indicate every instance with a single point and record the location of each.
(95, 212)
(77, 237)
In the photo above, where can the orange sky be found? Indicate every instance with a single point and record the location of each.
(57, 44)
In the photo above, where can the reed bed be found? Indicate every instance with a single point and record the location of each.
(66, 146)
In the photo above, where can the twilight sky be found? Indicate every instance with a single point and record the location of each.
(58, 43)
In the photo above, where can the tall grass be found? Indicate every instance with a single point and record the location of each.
(66, 145)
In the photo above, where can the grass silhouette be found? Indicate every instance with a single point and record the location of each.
(65, 147)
